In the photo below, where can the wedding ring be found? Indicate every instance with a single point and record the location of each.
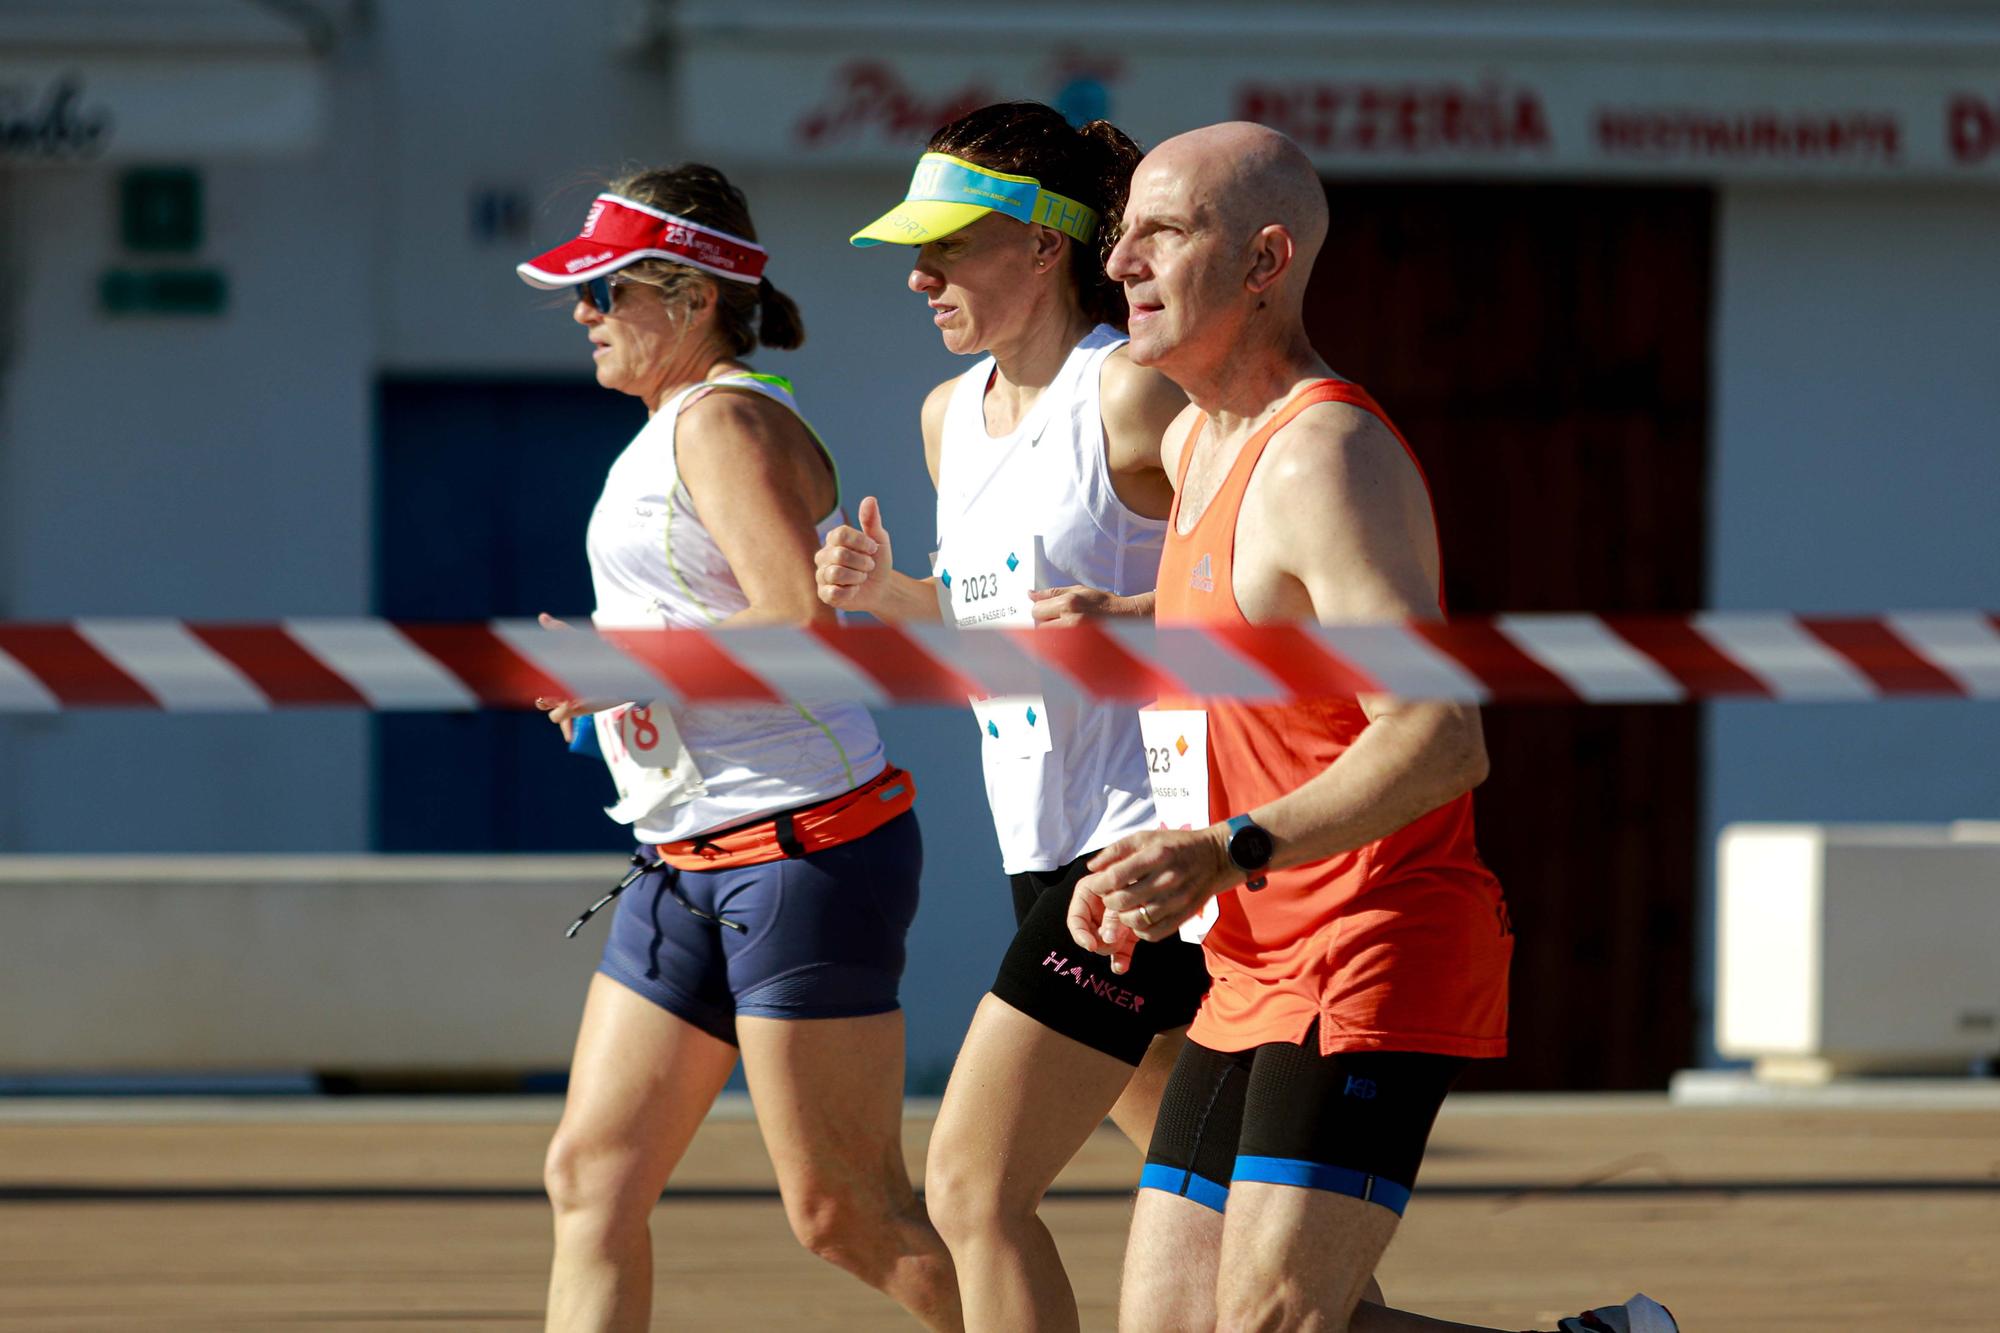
(1146, 915)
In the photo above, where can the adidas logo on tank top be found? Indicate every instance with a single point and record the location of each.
(1202, 577)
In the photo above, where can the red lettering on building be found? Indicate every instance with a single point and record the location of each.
(870, 95)
(1665, 133)
(1972, 127)
(1072, 62)
(1402, 120)
(1531, 124)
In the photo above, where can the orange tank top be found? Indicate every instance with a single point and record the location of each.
(1401, 944)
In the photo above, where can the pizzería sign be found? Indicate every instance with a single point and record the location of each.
(1635, 113)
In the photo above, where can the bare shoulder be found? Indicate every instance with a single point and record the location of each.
(1136, 405)
(1342, 452)
(741, 451)
(931, 421)
(737, 418)
(1342, 510)
(1137, 395)
(935, 404)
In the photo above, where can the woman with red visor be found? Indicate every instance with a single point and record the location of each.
(778, 859)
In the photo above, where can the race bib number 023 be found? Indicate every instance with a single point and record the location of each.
(1176, 741)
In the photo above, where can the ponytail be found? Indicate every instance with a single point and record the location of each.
(744, 316)
(1113, 157)
(778, 322)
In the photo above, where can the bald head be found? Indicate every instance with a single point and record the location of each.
(1220, 232)
(1251, 177)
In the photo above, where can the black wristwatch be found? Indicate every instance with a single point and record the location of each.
(1250, 849)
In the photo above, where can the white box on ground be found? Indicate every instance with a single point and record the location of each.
(1849, 949)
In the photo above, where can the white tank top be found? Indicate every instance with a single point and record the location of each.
(1049, 479)
(654, 564)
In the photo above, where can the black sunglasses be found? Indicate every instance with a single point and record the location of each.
(601, 293)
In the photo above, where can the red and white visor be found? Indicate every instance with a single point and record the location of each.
(619, 231)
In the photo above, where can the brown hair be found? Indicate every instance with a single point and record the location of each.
(745, 316)
(1091, 164)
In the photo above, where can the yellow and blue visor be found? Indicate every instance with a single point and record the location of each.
(948, 193)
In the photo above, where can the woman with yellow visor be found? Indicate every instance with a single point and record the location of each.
(1051, 505)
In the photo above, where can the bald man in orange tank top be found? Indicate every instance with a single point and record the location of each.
(1359, 947)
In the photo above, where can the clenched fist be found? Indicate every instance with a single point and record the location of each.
(851, 569)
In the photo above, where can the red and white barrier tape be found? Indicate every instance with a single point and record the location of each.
(383, 665)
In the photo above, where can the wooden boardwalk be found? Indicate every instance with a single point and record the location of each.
(361, 1217)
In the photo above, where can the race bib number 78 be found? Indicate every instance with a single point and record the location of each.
(650, 766)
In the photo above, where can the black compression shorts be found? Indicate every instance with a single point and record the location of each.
(1074, 991)
(1353, 1123)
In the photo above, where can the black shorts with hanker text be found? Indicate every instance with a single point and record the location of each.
(1071, 990)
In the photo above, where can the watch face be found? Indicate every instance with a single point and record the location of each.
(1250, 847)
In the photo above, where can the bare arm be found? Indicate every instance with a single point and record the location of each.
(1138, 406)
(855, 570)
(1075, 604)
(1345, 516)
(755, 476)
(930, 420)
(760, 484)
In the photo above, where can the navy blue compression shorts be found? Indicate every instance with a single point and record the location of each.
(817, 936)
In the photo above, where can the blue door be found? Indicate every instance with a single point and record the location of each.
(483, 489)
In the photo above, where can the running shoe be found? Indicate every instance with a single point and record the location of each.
(1641, 1314)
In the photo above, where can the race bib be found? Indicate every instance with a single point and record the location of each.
(983, 585)
(1176, 741)
(650, 767)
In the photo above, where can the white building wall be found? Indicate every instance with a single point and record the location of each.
(1856, 458)
(1857, 468)
(209, 467)
(468, 104)
(500, 94)
(221, 467)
